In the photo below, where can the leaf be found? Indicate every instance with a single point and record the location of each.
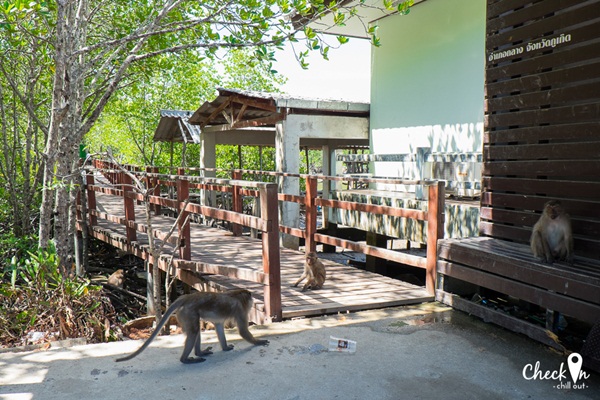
(404, 7)
(309, 32)
(325, 52)
(339, 18)
(342, 39)
(267, 12)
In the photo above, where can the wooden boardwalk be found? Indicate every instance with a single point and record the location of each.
(346, 288)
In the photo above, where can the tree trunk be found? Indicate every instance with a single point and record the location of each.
(65, 132)
(60, 104)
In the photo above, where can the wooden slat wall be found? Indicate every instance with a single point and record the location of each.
(542, 117)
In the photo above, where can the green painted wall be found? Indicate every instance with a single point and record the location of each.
(428, 81)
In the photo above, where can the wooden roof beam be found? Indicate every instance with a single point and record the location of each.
(262, 121)
(271, 119)
(217, 111)
(241, 113)
(263, 104)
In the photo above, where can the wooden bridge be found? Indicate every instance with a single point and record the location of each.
(123, 202)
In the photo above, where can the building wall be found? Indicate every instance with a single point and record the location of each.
(427, 87)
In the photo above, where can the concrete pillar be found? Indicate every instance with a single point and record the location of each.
(337, 168)
(208, 159)
(326, 163)
(287, 159)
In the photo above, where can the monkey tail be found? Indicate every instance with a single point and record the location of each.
(174, 307)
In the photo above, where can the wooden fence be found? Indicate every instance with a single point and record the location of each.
(183, 184)
(266, 223)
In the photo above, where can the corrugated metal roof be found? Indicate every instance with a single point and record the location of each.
(174, 126)
(286, 100)
(235, 109)
(266, 108)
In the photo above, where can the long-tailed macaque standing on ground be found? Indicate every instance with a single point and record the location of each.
(314, 272)
(218, 308)
(552, 237)
(117, 278)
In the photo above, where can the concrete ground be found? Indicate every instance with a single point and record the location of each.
(415, 352)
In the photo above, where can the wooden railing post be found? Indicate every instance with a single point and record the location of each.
(270, 250)
(183, 193)
(135, 171)
(311, 214)
(152, 188)
(156, 185)
(129, 205)
(116, 176)
(237, 201)
(435, 231)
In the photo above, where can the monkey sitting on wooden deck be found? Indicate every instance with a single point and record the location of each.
(314, 272)
(552, 237)
(217, 308)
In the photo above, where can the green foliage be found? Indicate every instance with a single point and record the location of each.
(21, 16)
(175, 82)
(25, 77)
(129, 120)
(37, 297)
(252, 159)
(404, 7)
(13, 247)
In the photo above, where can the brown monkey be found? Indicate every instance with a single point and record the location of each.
(117, 278)
(314, 272)
(552, 237)
(214, 307)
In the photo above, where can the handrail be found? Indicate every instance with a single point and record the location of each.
(267, 222)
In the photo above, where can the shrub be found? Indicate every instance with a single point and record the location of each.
(40, 304)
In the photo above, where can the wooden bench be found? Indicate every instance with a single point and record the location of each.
(511, 269)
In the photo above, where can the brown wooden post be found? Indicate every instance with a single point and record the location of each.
(151, 187)
(135, 171)
(156, 186)
(238, 201)
(129, 205)
(269, 211)
(435, 231)
(311, 214)
(183, 193)
(116, 176)
(91, 198)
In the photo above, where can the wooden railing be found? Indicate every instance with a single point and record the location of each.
(266, 221)
(434, 217)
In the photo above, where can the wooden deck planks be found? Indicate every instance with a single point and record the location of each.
(346, 288)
